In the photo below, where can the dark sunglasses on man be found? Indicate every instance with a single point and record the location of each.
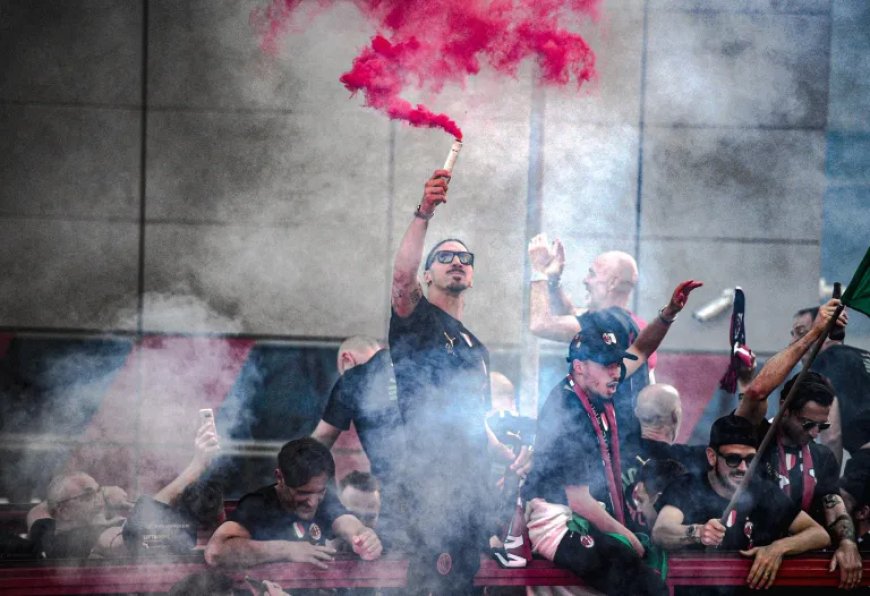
(446, 256)
(808, 425)
(732, 460)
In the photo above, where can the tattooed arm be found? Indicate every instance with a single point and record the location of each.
(406, 291)
(842, 531)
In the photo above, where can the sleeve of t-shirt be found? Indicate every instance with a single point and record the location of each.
(249, 512)
(678, 494)
(331, 508)
(41, 532)
(827, 472)
(401, 325)
(337, 413)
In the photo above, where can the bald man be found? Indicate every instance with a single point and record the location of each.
(660, 412)
(609, 283)
(365, 394)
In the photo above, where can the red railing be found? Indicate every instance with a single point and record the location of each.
(102, 577)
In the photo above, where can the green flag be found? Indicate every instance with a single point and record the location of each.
(857, 295)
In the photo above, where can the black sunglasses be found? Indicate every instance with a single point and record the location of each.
(808, 425)
(732, 460)
(446, 256)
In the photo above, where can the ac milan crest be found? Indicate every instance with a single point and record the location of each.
(747, 531)
(608, 338)
(444, 563)
(315, 532)
(587, 541)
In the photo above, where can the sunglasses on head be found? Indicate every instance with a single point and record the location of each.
(808, 425)
(732, 460)
(446, 256)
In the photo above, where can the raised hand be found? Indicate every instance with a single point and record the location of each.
(681, 296)
(434, 192)
(206, 444)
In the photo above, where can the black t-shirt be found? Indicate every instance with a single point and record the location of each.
(367, 396)
(566, 450)
(762, 516)
(848, 370)
(825, 470)
(262, 514)
(442, 374)
(76, 543)
(693, 457)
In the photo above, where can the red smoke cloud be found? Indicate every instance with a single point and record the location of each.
(427, 44)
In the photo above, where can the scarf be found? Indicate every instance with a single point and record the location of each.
(809, 481)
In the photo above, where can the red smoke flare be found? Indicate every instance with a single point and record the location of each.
(433, 43)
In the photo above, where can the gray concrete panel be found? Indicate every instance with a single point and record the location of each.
(749, 6)
(75, 51)
(320, 280)
(849, 108)
(67, 274)
(729, 69)
(69, 162)
(725, 183)
(206, 54)
(268, 167)
(590, 179)
(778, 279)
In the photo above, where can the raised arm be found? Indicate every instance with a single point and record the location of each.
(205, 448)
(232, 545)
(649, 339)
(406, 290)
(753, 406)
(550, 314)
(326, 434)
(581, 502)
(806, 535)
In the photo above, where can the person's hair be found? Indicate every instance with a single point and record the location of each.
(362, 481)
(301, 460)
(733, 430)
(657, 474)
(202, 501)
(59, 486)
(207, 582)
(357, 344)
(657, 406)
(814, 387)
(813, 311)
(431, 256)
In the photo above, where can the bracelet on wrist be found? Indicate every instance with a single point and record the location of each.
(421, 215)
(664, 319)
(538, 276)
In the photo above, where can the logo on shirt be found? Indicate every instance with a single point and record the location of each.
(444, 563)
(587, 541)
(732, 517)
(298, 530)
(747, 531)
(315, 532)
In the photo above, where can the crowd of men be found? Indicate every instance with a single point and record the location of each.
(599, 481)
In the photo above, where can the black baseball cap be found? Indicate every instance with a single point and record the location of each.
(603, 338)
(733, 430)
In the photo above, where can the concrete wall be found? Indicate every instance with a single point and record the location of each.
(153, 159)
